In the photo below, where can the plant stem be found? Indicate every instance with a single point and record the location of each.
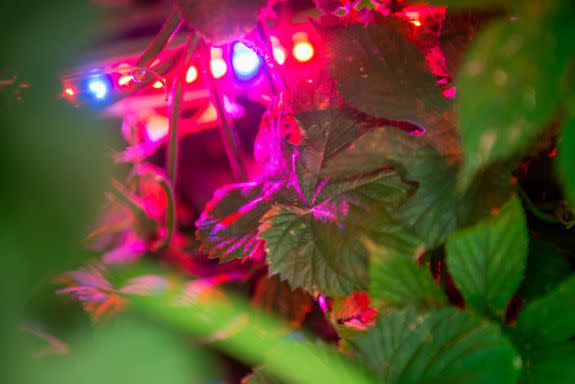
(170, 211)
(269, 52)
(169, 29)
(175, 101)
(126, 197)
(227, 132)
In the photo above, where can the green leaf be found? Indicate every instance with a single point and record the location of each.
(566, 153)
(379, 72)
(546, 268)
(125, 352)
(396, 280)
(441, 346)
(487, 261)
(549, 319)
(431, 211)
(228, 226)
(314, 255)
(510, 86)
(554, 364)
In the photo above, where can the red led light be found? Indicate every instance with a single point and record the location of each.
(303, 51)
(124, 80)
(191, 74)
(158, 85)
(69, 92)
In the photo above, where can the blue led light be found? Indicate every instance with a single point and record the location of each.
(245, 61)
(99, 88)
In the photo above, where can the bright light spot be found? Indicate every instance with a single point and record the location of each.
(245, 61)
(192, 74)
(98, 88)
(69, 92)
(280, 55)
(157, 127)
(218, 68)
(158, 85)
(417, 23)
(124, 80)
(303, 51)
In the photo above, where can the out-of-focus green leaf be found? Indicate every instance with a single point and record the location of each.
(546, 268)
(447, 346)
(487, 261)
(566, 152)
(549, 319)
(553, 364)
(313, 255)
(511, 84)
(125, 353)
(252, 337)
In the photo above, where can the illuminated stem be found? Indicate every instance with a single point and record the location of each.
(175, 101)
(226, 128)
(170, 211)
(270, 56)
(168, 30)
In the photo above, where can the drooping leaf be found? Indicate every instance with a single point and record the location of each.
(546, 268)
(553, 364)
(396, 279)
(379, 72)
(221, 21)
(277, 297)
(549, 319)
(228, 225)
(447, 346)
(314, 255)
(487, 261)
(511, 84)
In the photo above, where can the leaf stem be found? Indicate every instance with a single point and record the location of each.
(170, 212)
(227, 131)
(168, 30)
(175, 101)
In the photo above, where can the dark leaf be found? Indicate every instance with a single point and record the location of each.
(554, 364)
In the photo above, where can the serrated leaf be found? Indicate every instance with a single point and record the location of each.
(396, 279)
(549, 320)
(443, 346)
(314, 255)
(546, 268)
(555, 364)
(510, 86)
(324, 134)
(277, 297)
(379, 72)
(431, 211)
(487, 261)
(228, 226)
